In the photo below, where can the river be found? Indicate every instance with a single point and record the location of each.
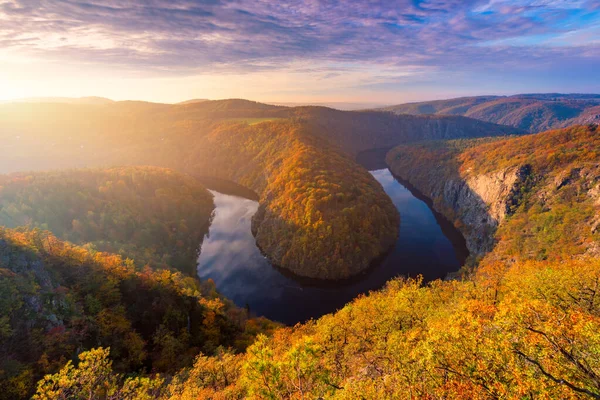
(427, 245)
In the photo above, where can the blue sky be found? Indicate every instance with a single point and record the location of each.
(305, 50)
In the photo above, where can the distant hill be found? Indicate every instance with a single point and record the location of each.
(338, 105)
(58, 135)
(193, 101)
(358, 131)
(530, 112)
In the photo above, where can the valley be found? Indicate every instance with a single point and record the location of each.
(427, 246)
(381, 253)
(321, 215)
(299, 200)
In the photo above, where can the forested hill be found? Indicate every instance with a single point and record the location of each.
(152, 215)
(532, 197)
(530, 112)
(330, 223)
(366, 130)
(321, 215)
(55, 135)
(59, 299)
(524, 324)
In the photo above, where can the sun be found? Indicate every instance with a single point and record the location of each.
(10, 90)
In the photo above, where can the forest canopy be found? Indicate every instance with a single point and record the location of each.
(151, 215)
(523, 324)
(59, 300)
(321, 215)
(550, 210)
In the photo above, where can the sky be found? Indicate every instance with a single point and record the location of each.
(379, 51)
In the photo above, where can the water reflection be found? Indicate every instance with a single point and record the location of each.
(230, 257)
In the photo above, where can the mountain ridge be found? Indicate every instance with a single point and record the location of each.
(532, 112)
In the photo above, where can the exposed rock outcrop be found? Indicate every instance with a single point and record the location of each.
(476, 204)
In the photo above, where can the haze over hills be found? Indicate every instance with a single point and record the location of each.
(530, 112)
(338, 105)
(255, 145)
(44, 135)
(68, 100)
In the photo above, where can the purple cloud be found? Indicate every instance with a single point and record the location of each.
(185, 36)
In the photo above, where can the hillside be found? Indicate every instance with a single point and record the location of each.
(523, 324)
(154, 216)
(531, 197)
(59, 299)
(530, 330)
(321, 215)
(530, 112)
(305, 145)
(51, 135)
(359, 131)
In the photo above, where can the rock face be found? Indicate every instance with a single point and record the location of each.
(476, 204)
(480, 203)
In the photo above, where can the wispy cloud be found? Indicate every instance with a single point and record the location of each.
(179, 37)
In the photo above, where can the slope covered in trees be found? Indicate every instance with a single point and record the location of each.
(152, 215)
(530, 112)
(536, 196)
(314, 227)
(321, 215)
(59, 299)
(52, 135)
(528, 331)
(359, 131)
(523, 324)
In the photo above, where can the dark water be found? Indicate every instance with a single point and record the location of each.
(427, 245)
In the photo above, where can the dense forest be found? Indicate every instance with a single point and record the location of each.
(59, 300)
(154, 216)
(522, 326)
(528, 331)
(545, 189)
(321, 215)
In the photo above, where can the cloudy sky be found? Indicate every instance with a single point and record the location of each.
(386, 51)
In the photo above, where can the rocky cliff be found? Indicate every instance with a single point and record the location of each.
(476, 204)
(532, 197)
